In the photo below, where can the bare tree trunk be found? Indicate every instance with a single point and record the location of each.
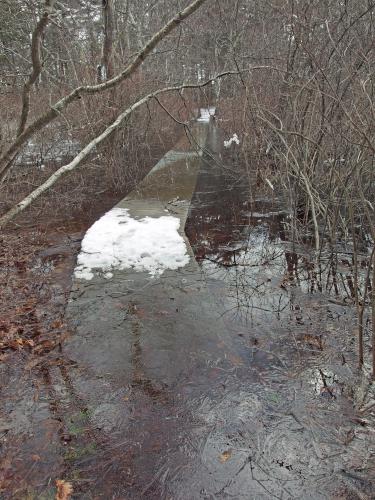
(373, 312)
(360, 308)
(105, 70)
(36, 42)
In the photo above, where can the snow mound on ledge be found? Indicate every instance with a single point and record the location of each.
(234, 139)
(117, 241)
(206, 114)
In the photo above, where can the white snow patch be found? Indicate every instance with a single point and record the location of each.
(233, 139)
(206, 114)
(117, 241)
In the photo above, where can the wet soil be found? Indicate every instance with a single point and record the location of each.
(233, 378)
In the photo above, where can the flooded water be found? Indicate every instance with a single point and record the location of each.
(217, 380)
(200, 381)
(238, 240)
(242, 240)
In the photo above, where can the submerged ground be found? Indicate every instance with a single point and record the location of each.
(230, 376)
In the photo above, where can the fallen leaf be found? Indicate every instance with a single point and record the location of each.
(235, 360)
(33, 363)
(225, 456)
(64, 490)
(57, 324)
(313, 340)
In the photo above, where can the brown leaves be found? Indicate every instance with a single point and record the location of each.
(315, 341)
(27, 322)
(20, 333)
(18, 326)
(64, 490)
(225, 456)
(30, 320)
(57, 324)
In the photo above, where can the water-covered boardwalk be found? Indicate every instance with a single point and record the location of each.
(184, 395)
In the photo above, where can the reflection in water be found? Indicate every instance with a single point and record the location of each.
(236, 242)
(139, 377)
(244, 244)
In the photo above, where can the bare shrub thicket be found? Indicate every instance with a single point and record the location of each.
(308, 128)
